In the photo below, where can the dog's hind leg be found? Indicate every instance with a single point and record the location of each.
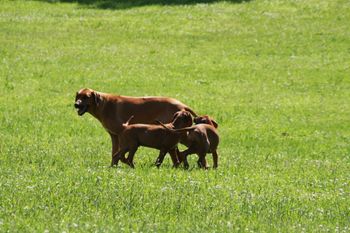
(160, 158)
(183, 155)
(202, 163)
(215, 159)
(174, 157)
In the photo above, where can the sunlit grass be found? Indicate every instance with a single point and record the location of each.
(274, 74)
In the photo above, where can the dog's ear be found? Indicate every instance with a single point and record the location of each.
(189, 117)
(214, 123)
(176, 114)
(197, 120)
(97, 97)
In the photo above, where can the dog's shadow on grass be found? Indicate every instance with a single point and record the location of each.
(126, 4)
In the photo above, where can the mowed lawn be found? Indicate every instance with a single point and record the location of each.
(275, 74)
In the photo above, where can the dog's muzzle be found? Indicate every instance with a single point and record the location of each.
(81, 108)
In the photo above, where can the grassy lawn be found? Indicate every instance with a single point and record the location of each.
(275, 74)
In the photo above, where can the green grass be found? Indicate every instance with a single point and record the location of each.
(274, 74)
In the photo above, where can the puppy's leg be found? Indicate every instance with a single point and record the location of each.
(199, 162)
(130, 159)
(202, 163)
(117, 156)
(183, 155)
(174, 157)
(179, 154)
(215, 159)
(160, 158)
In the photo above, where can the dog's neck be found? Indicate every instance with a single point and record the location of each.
(101, 109)
(100, 101)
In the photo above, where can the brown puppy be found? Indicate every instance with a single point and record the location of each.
(205, 119)
(113, 110)
(153, 136)
(200, 139)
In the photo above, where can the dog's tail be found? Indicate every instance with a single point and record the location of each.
(164, 126)
(128, 121)
(188, 109)
(124, 125)
(176, 130)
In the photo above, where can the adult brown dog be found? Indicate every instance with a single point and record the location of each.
(153, 136)
(113, 110)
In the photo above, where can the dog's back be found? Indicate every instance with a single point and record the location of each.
(153, 136)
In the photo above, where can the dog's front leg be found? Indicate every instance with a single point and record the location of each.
(115, 143)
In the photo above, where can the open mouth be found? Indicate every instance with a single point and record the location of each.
(81, 109)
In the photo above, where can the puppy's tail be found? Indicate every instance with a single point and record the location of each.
(188, 109)
(164, 126)
(177, 130)
(128, 121)
(124, 125)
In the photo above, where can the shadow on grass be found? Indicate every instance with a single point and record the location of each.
(125, 4)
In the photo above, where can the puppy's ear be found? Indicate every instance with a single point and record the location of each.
(97, 98)
(189, 117)
(196, 120)
(214, 123)
(176, 114)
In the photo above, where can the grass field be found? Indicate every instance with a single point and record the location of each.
(275, 74)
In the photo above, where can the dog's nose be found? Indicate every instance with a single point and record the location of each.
(77, 103)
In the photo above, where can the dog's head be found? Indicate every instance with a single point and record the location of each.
(85, 99)
(182, 119)
(205, 120)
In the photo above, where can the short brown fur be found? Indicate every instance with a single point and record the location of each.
(201, 139)
(153, 136)
(112, 110)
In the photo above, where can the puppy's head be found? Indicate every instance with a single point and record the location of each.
(205, 120)
(85, 99)
(182, 119)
